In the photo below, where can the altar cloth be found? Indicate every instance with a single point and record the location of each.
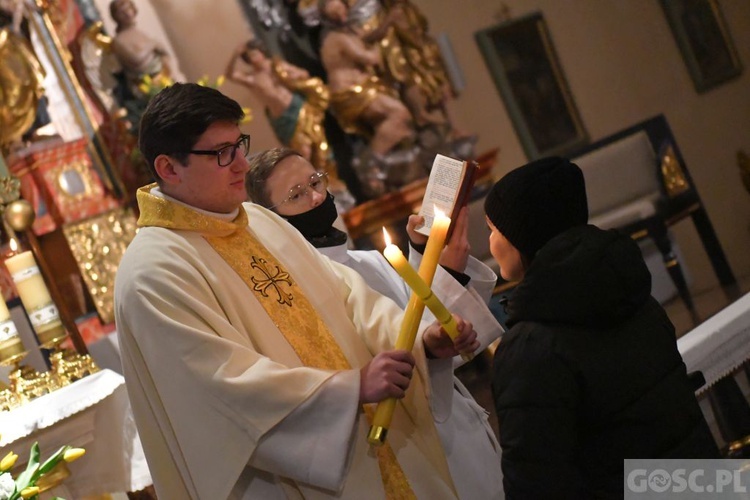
(719, 345)
(92, 413)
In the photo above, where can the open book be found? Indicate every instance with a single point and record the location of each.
(448, 189)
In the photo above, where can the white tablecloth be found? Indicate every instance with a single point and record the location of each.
(720, 344)
(92, 413)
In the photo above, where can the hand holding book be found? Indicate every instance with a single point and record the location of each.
(456, 252)
(449, 189)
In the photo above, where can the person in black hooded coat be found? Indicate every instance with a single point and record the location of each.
(588, 373)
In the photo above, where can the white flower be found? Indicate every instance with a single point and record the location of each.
(7, 486)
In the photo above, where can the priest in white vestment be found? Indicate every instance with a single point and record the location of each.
(251, 360)
(282, 180)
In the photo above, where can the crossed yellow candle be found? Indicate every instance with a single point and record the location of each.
(421, 289)
(421, 295)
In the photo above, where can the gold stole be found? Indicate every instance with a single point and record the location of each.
(300, 324)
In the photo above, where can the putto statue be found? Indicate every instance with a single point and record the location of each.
(415, 66)
(139, 54)
(388, 87)
(295, 104)
(363, 103)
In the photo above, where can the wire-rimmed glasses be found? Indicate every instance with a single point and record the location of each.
(318, 183)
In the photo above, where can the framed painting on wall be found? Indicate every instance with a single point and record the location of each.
(523, 63)
(703, 38)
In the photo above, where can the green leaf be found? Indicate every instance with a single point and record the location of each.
(26, 478)
(50, 463)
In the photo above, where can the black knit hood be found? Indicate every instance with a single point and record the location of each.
(584, 277)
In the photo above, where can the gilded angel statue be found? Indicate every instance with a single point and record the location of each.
(295, 104)
(21, 78)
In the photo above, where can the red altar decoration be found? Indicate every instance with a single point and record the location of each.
(59, 180)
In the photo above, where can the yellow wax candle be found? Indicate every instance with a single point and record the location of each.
(418, 286)
(427, 268)
(414, 309)
(435, 244)
(409, 325)
(381, 420)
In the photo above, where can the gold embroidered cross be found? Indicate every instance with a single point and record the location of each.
(262, 285)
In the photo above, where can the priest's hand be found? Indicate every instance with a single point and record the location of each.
(438, 344)
(386, 376)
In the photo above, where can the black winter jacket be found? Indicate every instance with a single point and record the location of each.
(589, 373)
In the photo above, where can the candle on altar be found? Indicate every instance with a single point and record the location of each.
(35, 297)
(29, 283)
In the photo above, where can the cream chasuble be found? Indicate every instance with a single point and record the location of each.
(469, 442)
(213, 376)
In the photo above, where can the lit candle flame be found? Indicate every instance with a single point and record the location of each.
(387, 237)
(437, 212)
(13, 244)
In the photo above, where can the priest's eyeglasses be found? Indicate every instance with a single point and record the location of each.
(318, 183)
(225, 156)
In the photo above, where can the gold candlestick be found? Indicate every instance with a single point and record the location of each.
(11, 354)
(25, 382)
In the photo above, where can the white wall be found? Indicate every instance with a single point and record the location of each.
(621, 62)
(623, 65)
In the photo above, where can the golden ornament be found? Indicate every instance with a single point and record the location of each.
(19, 215)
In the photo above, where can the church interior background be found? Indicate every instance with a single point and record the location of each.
(68, 193)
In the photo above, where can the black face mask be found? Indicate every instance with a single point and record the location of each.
(316, 222)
